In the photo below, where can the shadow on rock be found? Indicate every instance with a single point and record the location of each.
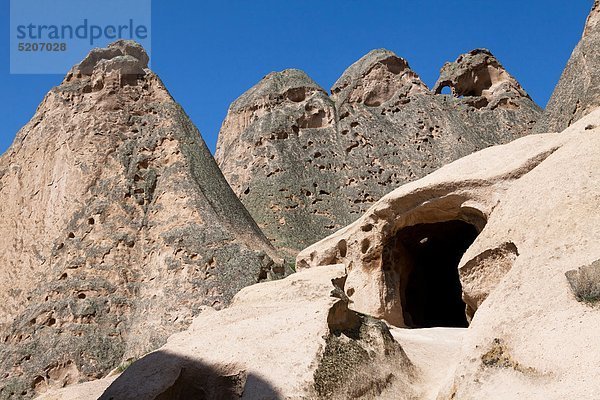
(165, 376)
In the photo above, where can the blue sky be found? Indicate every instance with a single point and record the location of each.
(209, 52)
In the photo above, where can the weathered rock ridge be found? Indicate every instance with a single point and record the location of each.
(117, 227)
(578, 91)
(305, 164)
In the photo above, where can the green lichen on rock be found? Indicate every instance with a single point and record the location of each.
(498, 356)
(585, 283)
(306, 164)
(361, 359)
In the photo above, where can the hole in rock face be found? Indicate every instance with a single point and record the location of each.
(343, 248)
(296, 94)
(475, 83)
(446, 90)
(394, 65)
(425, 259)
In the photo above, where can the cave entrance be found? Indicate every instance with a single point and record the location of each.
(425, 260)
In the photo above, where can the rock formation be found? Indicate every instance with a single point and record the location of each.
(305, 164)
(513, 231)
(517, 225)
(478, 281)
(290, 339)
(578, 91)
(117, 227)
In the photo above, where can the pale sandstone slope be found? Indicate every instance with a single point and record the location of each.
(117, 226)
(289, 339)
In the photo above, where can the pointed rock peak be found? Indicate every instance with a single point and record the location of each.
(593, 20)
(120, 54)
(276, 108)
(123, 59)
(374, 58)
(289, 78)
(126, 207)
(375, 78)
(478, 74)
(290, 84)
(576, 93)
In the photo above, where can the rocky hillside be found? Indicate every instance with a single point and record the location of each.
(117, 227)
(512, 230)
(306, 163)
(479, 280)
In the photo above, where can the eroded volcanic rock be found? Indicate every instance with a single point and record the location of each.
(504, 240)
(117, 226)
(578, 91)
(513, 229)
(520, 227)
(290, 339)
(305, 163)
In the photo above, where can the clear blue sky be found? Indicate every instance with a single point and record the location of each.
(209, 52)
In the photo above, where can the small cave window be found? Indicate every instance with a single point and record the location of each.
(425, 258)
(446, 90)
(474, 84)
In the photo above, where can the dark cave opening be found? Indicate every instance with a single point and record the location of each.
(425, 257)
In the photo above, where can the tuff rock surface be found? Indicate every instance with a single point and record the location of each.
(532, 203)
(117, 227)
(290, 339)
(578, 91)
(529, 276)
(306, 163)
